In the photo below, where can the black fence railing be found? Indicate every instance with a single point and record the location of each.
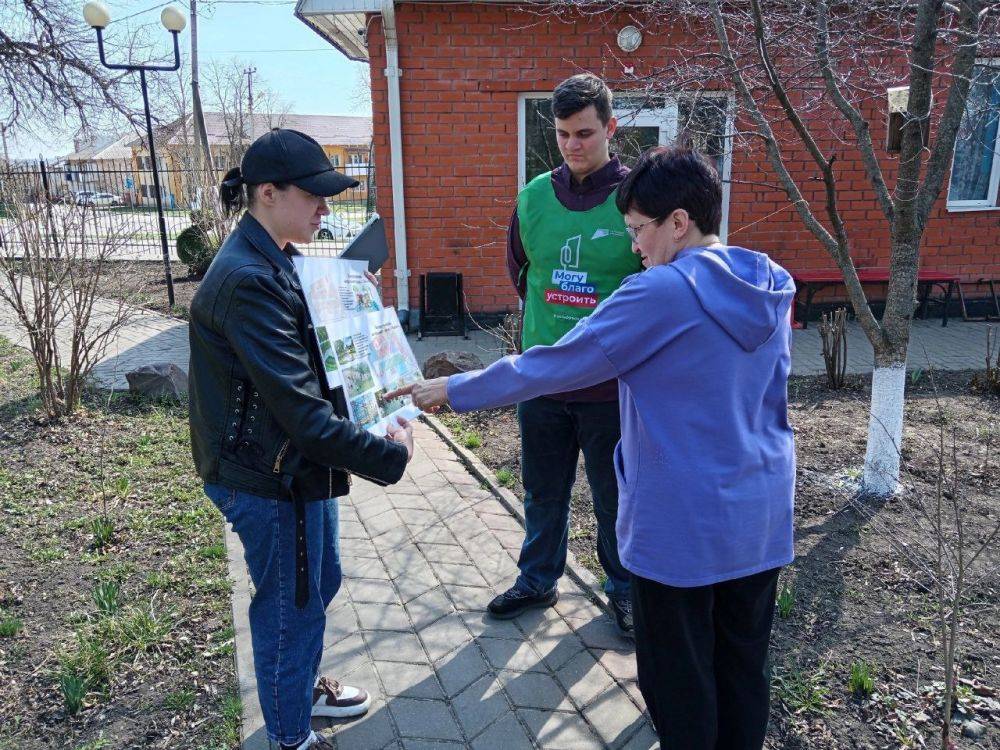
(123, 200)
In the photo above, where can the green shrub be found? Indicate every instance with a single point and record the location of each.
(195, 249)
(107, 597)
(505, 477)
(104, 531)
(786, 600)
(862, 680)
(9, 626)
(74, 690)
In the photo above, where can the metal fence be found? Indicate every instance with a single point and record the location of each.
(123, 200)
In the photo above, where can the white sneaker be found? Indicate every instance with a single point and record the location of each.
(336, 701)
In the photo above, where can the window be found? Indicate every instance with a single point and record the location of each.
(336, 160)
(974, 168)
(702, 121)
(356, 157)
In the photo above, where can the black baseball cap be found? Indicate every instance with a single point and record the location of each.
(285, 155)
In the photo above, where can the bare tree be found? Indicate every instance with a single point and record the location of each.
(49, 69)
(952, 558)
(180, 141)
(229, 96)
(69, 295)
(361, 96)
(809, 81)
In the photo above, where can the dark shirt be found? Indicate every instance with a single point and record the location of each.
(575, 196)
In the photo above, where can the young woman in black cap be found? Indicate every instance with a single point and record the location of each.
(271, 441)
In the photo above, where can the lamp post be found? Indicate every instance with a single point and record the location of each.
(97, 17)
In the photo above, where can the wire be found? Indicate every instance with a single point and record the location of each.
(255, 51)
(140, 12)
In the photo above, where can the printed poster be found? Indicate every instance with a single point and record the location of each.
(362, 344)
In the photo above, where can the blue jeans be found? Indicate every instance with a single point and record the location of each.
(552, 435)
(287, 641)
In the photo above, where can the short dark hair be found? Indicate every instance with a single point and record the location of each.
(578, 92)
(667, 178)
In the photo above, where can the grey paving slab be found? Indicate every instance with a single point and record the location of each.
(410, 680)
(383, 617)
(584, 679)
(614, 717)
(425, 719)
(480, 704)
(429, 607)
(392, 646)
(559, 730)
(504, 734)
(461, 668)
(444, 636)
(535, 690)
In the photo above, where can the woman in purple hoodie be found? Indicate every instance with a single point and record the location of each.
(699, 343)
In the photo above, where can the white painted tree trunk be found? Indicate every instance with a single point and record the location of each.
(885, 430)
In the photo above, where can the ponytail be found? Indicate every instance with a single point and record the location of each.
(233, 192)
(237, 194)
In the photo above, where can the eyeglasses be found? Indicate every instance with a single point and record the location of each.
(633, 232)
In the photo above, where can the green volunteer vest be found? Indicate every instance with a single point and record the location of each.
(576, 259)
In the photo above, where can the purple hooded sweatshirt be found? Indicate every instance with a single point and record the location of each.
(706, 463)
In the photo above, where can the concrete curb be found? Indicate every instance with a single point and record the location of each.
(583, 578)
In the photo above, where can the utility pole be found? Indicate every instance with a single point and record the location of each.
(6, 155)
(249, 74)
(199, 113)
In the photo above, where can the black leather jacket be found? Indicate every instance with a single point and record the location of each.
(262, 417)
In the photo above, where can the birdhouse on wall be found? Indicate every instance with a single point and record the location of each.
(899, 99)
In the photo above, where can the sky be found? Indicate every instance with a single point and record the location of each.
(308, 73)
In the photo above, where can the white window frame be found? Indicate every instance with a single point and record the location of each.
(990, 202)
(665, 118)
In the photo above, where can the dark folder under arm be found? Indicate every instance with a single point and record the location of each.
(370, 244)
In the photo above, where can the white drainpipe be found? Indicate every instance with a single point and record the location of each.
(393, 74)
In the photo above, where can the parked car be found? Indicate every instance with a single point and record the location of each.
(90, 198)
(336, 227)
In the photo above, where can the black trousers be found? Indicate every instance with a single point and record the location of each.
(702, 659)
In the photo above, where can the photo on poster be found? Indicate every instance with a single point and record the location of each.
(363, 297)
(390, 353)
(389, 407)
(336, 289)
(358, 378)
(350, 348)
(329, 361)
(330, 364)
(365, 412)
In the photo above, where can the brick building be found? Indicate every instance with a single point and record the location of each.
(471, 81)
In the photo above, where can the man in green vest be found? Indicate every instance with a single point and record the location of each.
(567, 250)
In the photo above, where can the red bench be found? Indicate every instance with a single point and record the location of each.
(811, 282)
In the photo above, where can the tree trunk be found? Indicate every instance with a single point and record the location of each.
(885, 429)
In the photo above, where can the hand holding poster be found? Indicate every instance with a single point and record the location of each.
(362, 344)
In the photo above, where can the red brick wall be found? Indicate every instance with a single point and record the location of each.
(463, 68)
